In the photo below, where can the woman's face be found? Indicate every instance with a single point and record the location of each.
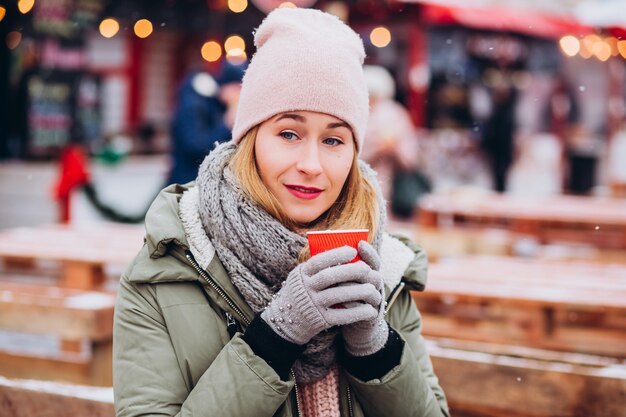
(304, 159)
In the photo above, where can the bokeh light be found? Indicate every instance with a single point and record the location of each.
(587, 45)
(3, 12)
(601, 50)
(621, 47)
(612, 42)
(235, 45)
(236, 57)
(380, 37)
(569, 45)
(109, 27)
(143, 28)
(25, 6)
(338, 8)
(211, 51)
(13, 39)
(237, 6)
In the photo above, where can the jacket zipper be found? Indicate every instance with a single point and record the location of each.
(230, 320)
(231, 324)
(350, 412)
(298, 412)
(217, 289)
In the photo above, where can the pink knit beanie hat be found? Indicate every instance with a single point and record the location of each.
(305, 60)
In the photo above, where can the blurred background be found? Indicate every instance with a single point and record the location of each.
(498, 129)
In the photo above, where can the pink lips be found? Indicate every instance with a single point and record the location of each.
(305, 193)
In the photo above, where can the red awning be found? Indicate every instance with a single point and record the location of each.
(618, 32)
(523, 21)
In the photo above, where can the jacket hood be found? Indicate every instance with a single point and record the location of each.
(163, 225)
(164, 235)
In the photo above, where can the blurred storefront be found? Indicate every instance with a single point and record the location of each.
(105, 72)
(486, 80)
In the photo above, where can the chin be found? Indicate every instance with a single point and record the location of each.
(306, 220)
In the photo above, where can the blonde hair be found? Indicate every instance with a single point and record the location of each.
(356, 207)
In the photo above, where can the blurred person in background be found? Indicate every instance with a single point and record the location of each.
(19, 129)
(204, 116)
(499, 129)
(224, 312)
(391, 144)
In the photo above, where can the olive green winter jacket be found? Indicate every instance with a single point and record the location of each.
(173, 354)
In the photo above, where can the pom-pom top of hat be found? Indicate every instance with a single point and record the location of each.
(306, 59)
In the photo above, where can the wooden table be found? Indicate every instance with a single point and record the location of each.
(82, 250)
(597, 221)
(81, 321)
(574, 307)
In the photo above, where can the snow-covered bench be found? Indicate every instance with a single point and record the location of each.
(56, 333)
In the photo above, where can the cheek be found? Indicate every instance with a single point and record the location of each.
(265, 159)
(340, 171)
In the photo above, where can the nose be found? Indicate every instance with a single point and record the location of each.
(309, 162)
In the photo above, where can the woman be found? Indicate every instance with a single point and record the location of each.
(223, 312)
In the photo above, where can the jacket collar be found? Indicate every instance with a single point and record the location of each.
(164, 229)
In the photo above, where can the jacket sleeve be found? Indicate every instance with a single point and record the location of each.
(149, 380)
(411, 388)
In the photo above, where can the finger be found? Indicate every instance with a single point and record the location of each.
(356, 272)
(366, 293)
(369, 255)
(343, 316)
(332, 257)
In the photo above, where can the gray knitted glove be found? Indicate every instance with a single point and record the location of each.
(302, 308)
(368, 336)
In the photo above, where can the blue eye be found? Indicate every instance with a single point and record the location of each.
(288, 135)
(332, 141)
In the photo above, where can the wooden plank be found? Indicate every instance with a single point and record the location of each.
(21, 398)
(81, 320)
(597, 221)
(558, 209)
(92, 368)
(565, 306)
(498, 385)
(82, 275)
(82, 250)
(89, 243)
(530, 282)
(70, 314)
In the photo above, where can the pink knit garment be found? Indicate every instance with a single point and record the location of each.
(321, 398)
(305, 60)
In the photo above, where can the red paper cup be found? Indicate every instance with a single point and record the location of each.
(321, 241)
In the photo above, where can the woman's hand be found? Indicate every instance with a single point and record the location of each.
(368, 336)
(303, 307)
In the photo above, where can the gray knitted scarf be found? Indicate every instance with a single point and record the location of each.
(257, 251)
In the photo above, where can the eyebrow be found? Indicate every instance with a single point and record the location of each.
(338, 124)
(293, 116)
(302, 119)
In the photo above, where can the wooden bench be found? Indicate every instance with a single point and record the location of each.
(597, 221)
(618, 189)
(80, 321)
(575, 307)
(83, 251)
(487, 380)
(25, 398)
